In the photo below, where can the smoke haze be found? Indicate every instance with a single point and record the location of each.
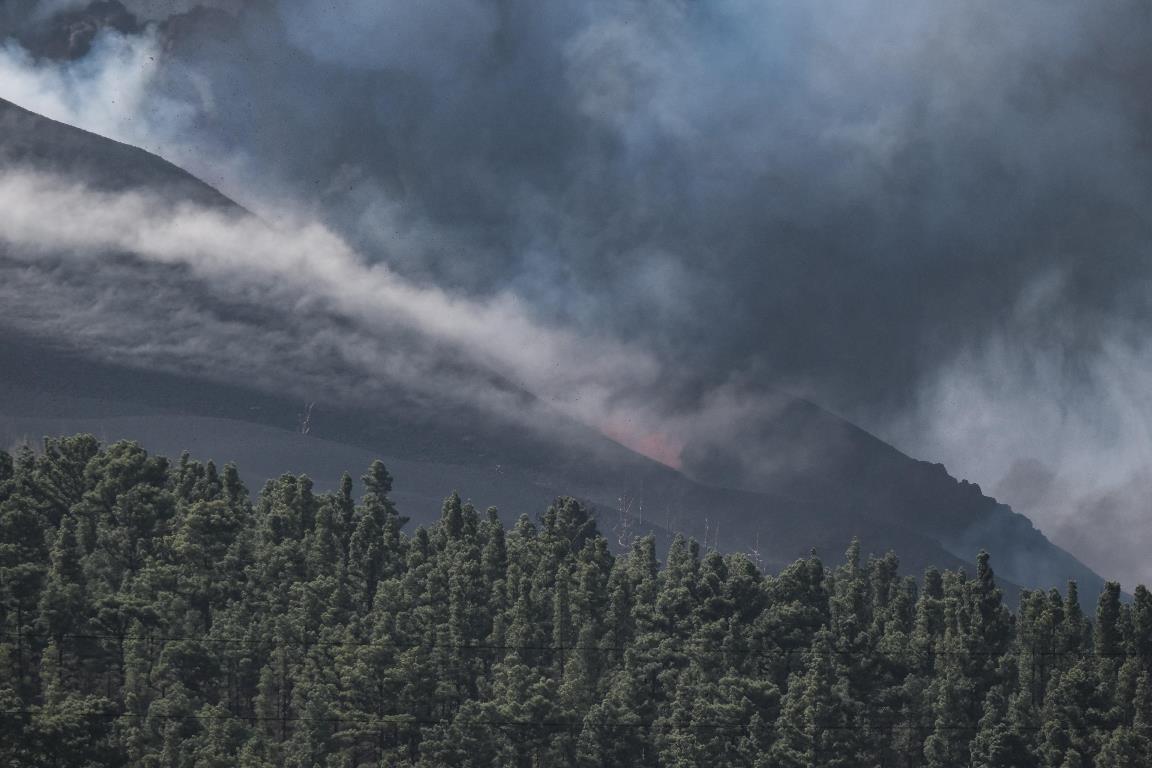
(930, 217)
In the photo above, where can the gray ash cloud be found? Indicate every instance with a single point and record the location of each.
(891, 207)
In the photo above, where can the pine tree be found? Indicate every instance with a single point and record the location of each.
(819, 722)
(1107, 638)
(64, 601)
(952, 695)
(154, 617)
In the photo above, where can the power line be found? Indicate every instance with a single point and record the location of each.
(411, 720)
(432, 645)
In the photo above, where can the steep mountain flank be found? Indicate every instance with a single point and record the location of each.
(836, 482)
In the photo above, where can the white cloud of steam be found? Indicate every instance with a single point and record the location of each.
(315, 300)
(116, 91)
(1055, 420)
(105, 92)
(310, 271)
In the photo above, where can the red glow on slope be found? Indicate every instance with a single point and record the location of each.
(655, 445)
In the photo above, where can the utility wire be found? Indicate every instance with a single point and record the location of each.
(661, 646)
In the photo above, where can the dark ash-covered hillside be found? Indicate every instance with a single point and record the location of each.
(830, 481)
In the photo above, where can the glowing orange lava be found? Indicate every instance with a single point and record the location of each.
(655, 445)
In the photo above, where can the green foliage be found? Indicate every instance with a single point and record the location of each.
(154, 615)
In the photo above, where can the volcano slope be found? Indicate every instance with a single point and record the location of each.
(112, 345)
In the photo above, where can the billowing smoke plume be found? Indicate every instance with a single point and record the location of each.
(931, 217)
(292, 308)
(1054, 413)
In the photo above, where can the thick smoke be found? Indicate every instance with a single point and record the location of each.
(931, 217)
(1054, 414)
(106, 92)
(290, 305)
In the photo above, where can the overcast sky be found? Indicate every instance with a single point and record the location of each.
(934, 218)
